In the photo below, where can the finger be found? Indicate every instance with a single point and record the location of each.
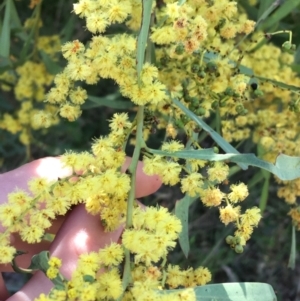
(52, 168)
(81, 233)
(145, 185)
(3, 291)
(37, 284)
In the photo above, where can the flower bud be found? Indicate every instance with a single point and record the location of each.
(239, 249)
(229, 239)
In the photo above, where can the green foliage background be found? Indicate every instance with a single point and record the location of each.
(266, 256)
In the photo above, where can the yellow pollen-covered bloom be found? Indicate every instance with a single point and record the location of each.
(6, 254)
(239, 192)
(71, 112)
(218, 172)
(211, 197)
(111, 255)
(97, 22)
(229, 214)
(192, 184)
(251, 217)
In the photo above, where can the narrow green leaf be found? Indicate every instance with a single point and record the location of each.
(5, 32)
(51, 66)
(228, 148)
(286, 167)
(296, 68)
(238, 291)
(279, 84)
(143, 35)
(265, 8)
(2, 6)
(285, 8)
(235, 291)
(16, 23)
(251, 10)
(111, 101)
(292, 259)
(67, 31)
(182, 212)
(257, 178)
(40, 261)
(30, 38)
(297, 56)
(264, 195)
(5, 63)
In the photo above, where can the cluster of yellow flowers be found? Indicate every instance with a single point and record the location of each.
(31, 214)
(29, 83)
(192, 63)
(153, 234)
(194, 183)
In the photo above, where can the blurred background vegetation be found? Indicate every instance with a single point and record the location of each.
(266, 256)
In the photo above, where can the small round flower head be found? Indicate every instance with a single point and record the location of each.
(239, 192)
(170, 173)
(56, 95)
(38, 185)
(172, 10)
(202, 275)
(118, 11)
(219, 172)
(110, 285)
(244, 231)
(6, 254)
(229, 214)
(175, 276)
(32, 234)
(97, 22)
(251, 217)
(149, 73)
(78, 96)
(247, 27)
(153, 165)
(9, 214)
(119, 122)
(71, 112)
(89, 262)
(84, 7)
(79, 69)
(170, 227)
(42, 119)
(211, 197)
(111, 255)
(192, 184)
(72, 49)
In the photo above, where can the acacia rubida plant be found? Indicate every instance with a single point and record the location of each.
(179, 63)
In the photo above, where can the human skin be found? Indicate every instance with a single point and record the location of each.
(76, 233)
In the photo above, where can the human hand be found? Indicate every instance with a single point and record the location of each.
(77, 233)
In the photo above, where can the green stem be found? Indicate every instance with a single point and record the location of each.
(37, 30)
(218, 122)
(131, 197)
(134, 163)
